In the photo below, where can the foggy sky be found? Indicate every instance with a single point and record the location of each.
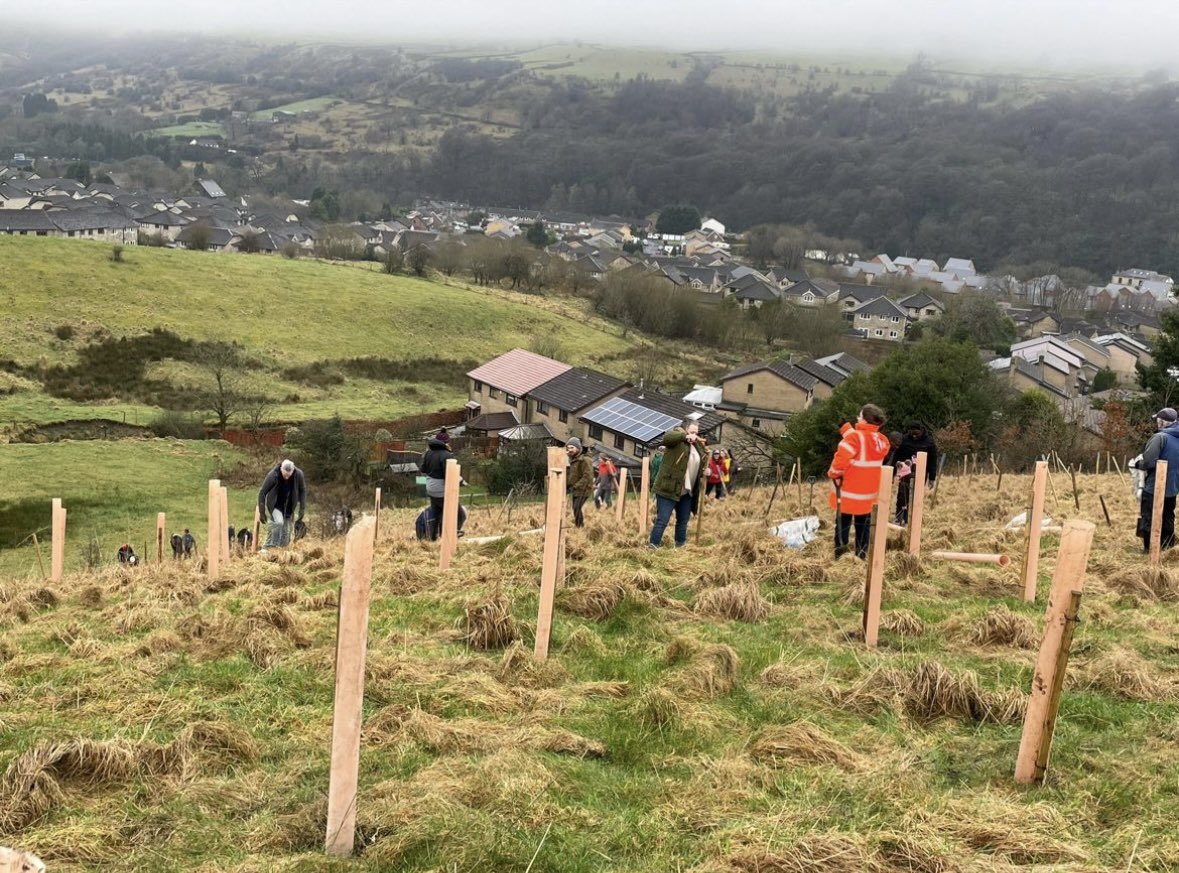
(1098, 34)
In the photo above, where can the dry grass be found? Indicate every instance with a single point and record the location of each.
(902, 622)
(1123, 673)
(930, 692)
(999, 626)
(596, 601)
(740, 601)
(802, 742)
(489, 624)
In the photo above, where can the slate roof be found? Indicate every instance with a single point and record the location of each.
(518, 371)
(91, 219)
(523, 432)
(881, 307)
(821, 372)
(576, 389)
(792, 374)
(861, 292)
(26, 220)
(920, 301)
(758, 291)
(844, 363)
(211, 188)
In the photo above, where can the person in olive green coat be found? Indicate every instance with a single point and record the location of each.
(581, 479)
(680, 479)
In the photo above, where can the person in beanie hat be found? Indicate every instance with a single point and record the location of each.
(581, 479)
(1162, 446)
(681, 475)
(855, 477)
(716, 475)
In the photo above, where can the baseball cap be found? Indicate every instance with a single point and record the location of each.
(1167, 414)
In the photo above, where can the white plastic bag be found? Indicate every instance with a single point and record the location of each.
(797, 532)
(1021, 520)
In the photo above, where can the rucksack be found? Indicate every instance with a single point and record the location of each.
(423, 524)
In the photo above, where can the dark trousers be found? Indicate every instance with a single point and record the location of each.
(579, 510)
(664, 506)
(863, 525)
(435, 517)
(717, 487)
(1146, 516)
(904, 491)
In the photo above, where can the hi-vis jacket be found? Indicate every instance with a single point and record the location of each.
(857, 462)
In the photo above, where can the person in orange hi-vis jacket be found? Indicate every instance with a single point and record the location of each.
(855, 477)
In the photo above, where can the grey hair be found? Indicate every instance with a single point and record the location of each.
(288, 466)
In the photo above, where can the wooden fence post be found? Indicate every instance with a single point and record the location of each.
(450, 513)
(645, 496)
(1031, 557)
(917, 515)
(57, 545)
(553, 544)
(620, 509)
(377, 515)
(257, 529)
(1048, 679)
(1076, 495)
(161, 525)
(348, 708)
(226, 545)
(213, 543)
(876, 560)
(701, 500)
(1156, 513)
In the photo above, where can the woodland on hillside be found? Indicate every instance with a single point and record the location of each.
(928, 163)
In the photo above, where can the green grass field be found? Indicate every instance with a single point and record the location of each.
(112, 491)
(192, 128)
(299, 106)
(708, 709)
(283, 313)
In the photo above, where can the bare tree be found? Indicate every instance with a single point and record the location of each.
(221, 361)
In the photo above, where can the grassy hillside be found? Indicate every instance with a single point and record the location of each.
(112, 490)
(284, 313)
(708, 709)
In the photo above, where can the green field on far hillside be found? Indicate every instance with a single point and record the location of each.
(59, 296)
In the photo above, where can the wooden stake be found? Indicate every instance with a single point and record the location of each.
(348, 710)
(645, 496)
(554, 513)
(702, 499)
(450, 513)
(257, 529)
(377, 515)
(1048, 679)
(620, 509)
(1101, 497)
(1031, 557)
(57, 544)
(801, 510)
(40, 560)
(1055, 497)
(226, 545)
(212, 554)
(774, 494)
(1097, 465)
(1076, 497)
(917, 514)
(1156, 514)
(161, 525)
(876, 560)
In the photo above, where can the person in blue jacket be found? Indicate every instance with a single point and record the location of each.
(1162, 446)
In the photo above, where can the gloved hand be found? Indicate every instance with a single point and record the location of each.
(299, 517)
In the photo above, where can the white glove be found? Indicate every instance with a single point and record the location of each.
(276, 516)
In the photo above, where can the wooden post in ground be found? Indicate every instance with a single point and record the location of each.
(161, 525)
(701, 500)
(917, 515)
(774, 493)
(876, 560)
(1076, 496)
(257, 529)
(553, 542)
(620, 509)
(213, 543)
(40, 560)
(1097, 465)
(226, 545)
(645, 496)
(1031, 556)
(377, 515)
(57, 543)
(1156, 514)
(1048, 679)
(450, 513)
(1105, 510)
(348, 709)
(801, 510)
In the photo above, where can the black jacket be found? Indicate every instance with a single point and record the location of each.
(433, 463)
(909, 447)
(268, 494)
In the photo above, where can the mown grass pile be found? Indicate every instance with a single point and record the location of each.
(705, 709)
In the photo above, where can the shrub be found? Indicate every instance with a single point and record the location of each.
(290, 250)
(518, 466)
(64, 332)
(117, 253)
(178, 425)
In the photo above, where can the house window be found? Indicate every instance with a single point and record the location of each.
(862, 316)
(619, 441)
(542, 408)
(595, 431)
(564, 416)
(895, 319)
(478, 386)
(892, 334)
(757, 422)
(493, 393)
(879, 332)
(749, 388)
